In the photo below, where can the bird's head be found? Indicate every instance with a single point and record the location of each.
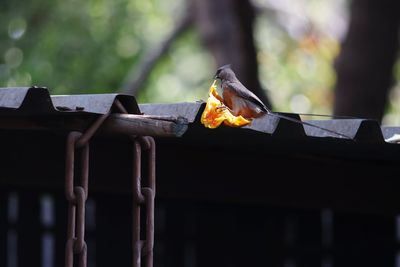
(225, 73)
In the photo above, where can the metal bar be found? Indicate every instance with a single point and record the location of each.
(92, 130)
(83, 257)
(115, 124)
(149, 244)
(76, 196)
(150, 196)
(137, 198)
(69, 255)
(163, 118)
(85, 168)
(152, 163)
(137, 244)
(138, 125)
(71, 197)
(71, 222)
(69, 165)
(143, 196)
(120, 107)
(80, 220)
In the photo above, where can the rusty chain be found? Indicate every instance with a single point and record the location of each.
(77, 193)
(143, 196)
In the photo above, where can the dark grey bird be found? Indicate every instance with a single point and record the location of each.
(241, 101)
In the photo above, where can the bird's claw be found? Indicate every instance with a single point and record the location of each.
(220, 108)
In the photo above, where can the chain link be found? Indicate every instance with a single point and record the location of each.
(76, 195)
(143, 196)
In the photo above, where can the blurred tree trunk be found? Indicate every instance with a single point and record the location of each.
(364, 66)
(226, 29)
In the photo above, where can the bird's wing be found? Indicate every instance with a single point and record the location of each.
(245, 93)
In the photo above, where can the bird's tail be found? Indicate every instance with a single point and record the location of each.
(309, 124)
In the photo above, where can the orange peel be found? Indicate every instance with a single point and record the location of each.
(216, 113)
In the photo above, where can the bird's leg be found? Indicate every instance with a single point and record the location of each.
(219, 108)
(222, 107)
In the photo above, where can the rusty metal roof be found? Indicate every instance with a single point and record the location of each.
(34, 108)
(362, 130)
(36, 101)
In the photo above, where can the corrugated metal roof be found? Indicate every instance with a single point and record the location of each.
(362, 130)
(36, 101)
(34, 108)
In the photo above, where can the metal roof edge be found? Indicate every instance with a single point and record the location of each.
(37, 100)
(94, 103)
(15, 97)
(278, 126)
(361, 130)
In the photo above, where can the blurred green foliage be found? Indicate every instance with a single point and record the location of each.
(95, 46)
(298, 72)
(86, 47)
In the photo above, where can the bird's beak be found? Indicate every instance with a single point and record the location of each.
(216, 77)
